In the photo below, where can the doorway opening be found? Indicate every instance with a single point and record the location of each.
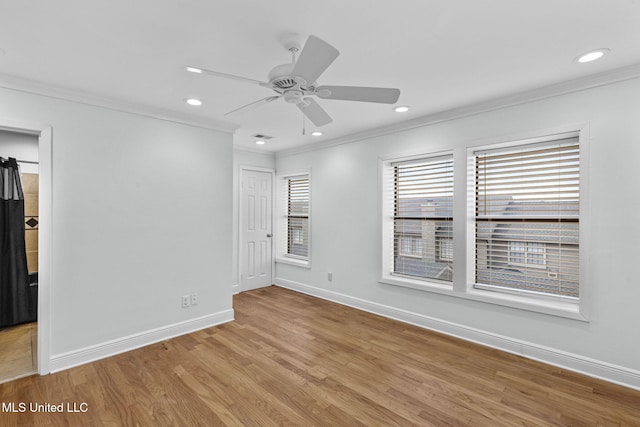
(24, 331)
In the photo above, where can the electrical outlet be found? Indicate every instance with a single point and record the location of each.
(185, 301)
(194, 299)
(330, 277)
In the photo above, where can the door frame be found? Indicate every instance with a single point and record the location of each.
(242, 170)
(45, 148)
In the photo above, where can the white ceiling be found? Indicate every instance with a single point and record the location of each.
(441, 54)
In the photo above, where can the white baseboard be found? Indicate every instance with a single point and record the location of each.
(92, 353)
(235, 289)
(573, 362)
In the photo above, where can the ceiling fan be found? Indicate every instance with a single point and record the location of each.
(296, 82)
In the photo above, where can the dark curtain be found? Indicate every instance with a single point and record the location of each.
(15, 298)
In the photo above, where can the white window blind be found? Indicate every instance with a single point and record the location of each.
(527, 218)
(423, 218)
(298, 216)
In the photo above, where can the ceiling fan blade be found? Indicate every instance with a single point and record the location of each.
(314, 112)
(359, 93)
(254, 104)
(199, 70)
(315, 58)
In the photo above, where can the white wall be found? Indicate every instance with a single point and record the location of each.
(244, 158)
(141, 216)
(345, 227)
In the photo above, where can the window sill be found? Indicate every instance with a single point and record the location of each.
(565, 309)
(423, 285)
(569, 310)
(304, 263)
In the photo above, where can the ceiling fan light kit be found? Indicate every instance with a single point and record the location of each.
(296, 82)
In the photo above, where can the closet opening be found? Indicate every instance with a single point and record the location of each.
(24, 323)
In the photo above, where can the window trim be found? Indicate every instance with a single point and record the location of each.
(464, 226)
(282, 215)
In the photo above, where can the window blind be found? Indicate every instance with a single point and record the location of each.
(527, 218)
(423, 218)
(298, 216)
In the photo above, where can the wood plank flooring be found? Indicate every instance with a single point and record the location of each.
(291, 359)
(18, 351)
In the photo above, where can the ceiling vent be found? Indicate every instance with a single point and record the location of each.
(261, 136)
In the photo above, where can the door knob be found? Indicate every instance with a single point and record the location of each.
(269, 235)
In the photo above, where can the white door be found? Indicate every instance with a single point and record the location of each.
(256, 230)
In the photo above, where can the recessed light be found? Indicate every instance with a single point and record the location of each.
(260, 142)
(316, 133)
(194, 70)
(592, 56)
(401, 109)
(193, 101)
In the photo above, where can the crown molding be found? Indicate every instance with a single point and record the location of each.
(20, 84)
(570, 86)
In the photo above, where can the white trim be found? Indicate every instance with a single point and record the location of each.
(237, 288)
(45, 245)
(583, 83)
(585, 286)
(45, 225)
(92, 353)
(30, 86)
(304, 263)
(386, 237)
(570, 361)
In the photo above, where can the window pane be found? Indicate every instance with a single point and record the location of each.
(527, 223)
(298, 216)
(423, 217)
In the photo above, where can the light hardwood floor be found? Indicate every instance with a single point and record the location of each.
(18, 351)
(291, 359)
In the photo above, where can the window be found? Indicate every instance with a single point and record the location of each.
(527, 206)
(527, 253)
(411, 246)
(297, 236)
(505, 231)
(293, 219)
(298, 216)
(445, 250)
(420, 216)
